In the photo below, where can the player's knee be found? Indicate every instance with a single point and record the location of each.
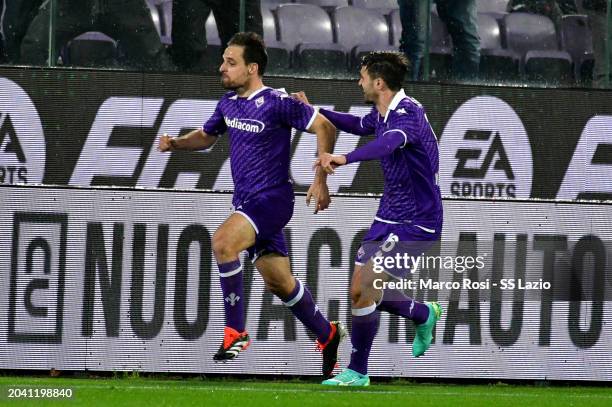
(222, 246)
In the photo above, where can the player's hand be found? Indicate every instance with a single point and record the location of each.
(301, 96)
(165, 143)
(329, 162)
(320, 192)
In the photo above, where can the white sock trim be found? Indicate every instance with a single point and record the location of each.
(231, 273)
(298, 296)
(361, 312)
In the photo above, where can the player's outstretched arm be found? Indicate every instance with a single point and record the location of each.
(344, 121)
(194, 140)
(374, 150)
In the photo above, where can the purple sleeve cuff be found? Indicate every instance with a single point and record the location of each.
(378, 148)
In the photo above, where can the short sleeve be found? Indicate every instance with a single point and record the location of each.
(409, 124)
(215, 125)
(293, 113)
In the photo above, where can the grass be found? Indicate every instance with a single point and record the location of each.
(134, 390)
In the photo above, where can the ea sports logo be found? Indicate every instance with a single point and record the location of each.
(22, 143)
(485, 152)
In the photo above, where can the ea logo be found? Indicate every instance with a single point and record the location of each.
(22, 142)
(485, 152)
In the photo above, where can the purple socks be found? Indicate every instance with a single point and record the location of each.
(230, 275)
(302, 305)
(365, 325)
(395, 302)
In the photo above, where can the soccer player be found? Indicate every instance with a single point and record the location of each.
(409, 218)
(258, 120)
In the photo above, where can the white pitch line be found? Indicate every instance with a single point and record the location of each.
(211, 389)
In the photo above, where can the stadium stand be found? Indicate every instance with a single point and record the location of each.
(496, 8)
(535, 39)
(279, 54)
(496, 63)
(577, 40)
(383, 6)
(330, 36)
(372, 35)
(307, 30)
(90, 49)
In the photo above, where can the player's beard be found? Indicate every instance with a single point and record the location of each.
(366, 99)
(228, 85)
(232, 85)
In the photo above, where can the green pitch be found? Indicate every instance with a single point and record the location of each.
(150, 392)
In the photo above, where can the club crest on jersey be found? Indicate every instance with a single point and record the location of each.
(259, 101)
(250, 125)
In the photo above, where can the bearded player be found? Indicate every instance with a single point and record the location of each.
(258, 120)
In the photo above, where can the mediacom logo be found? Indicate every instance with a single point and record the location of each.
(250, 125)
(485, 152)
(22, 141)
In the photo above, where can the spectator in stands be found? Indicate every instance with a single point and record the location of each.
(127, 21)
(189, 27)
(460, 18)
(15, 18)
(602, 28)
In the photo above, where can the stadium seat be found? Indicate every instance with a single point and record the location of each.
(279, 55)
(534, 38)
(213, 50)
(273, 4)
(166, 21)
(326, 3)
(91, 49)
(496, 63)
(383, 6)
(396, 28)
(553, 67)
(212, 33)
(163, 24)
(360, 31)
(307, 30)
(496, 8)
(155, 15)
(577, 40)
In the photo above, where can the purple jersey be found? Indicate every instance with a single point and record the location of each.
(411, 192)
(259, 128)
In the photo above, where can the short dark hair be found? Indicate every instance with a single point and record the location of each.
(254, 49)
(390, 66)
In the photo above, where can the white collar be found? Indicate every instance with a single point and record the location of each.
(399, 96)
(252, 95)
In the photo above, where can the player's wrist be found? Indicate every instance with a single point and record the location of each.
(321, 176)
(348, 158)
(173, 144)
